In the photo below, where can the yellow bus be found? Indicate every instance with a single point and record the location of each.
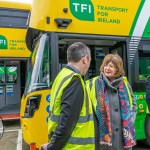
(14, 56)
(106, 26)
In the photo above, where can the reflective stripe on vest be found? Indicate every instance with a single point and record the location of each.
(81, 141)
(128, 91)
(82, 119)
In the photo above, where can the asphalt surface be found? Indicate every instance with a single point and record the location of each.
(12, 139)
(9, 139)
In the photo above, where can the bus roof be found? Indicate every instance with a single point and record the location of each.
(16, 5)
(105, 17)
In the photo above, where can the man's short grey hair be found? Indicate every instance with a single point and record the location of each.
(76, 51)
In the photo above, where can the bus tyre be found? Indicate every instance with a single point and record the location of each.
(147, 129)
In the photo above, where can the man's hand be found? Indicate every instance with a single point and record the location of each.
(44, 147)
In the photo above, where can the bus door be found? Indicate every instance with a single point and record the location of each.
(120, 49)
(100, 46)
(101, 50)
(9, 83)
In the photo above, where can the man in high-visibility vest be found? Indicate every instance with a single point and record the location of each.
(71, 121)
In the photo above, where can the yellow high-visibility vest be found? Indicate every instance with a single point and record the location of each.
(83, 136)
(92, 90)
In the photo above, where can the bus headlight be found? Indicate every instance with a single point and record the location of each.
(32, 105)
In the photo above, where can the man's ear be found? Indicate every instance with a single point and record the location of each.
(84, 60)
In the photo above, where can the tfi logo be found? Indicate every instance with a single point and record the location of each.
(82, 9)
(3, 42)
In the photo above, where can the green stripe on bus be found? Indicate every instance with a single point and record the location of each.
(136, 18)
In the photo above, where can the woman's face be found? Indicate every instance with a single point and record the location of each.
(110, 71)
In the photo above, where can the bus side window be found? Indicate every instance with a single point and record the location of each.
(144, 61)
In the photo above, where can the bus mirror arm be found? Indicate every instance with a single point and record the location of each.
(63, 22)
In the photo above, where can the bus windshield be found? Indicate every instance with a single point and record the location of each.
(39, 78)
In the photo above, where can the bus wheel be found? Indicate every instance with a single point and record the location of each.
(147, 129)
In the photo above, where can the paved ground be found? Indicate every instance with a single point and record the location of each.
(12, 138)
(11, 141)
